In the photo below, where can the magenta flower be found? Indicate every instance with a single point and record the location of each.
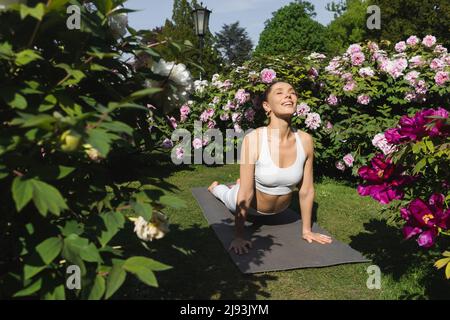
(416, 127)
(425, 219)
(268, 75)
(384, 180)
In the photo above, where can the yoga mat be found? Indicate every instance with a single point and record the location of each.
(277, 240)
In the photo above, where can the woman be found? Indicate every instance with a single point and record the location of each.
(274, 160)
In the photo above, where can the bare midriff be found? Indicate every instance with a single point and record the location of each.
(264, 202)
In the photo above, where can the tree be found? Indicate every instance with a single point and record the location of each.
(400, 19)
(234, 43)
(181, 29)
(349, 25)
(291, 29)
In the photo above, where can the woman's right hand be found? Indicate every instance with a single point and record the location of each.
(239, 245)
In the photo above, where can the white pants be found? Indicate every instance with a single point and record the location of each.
(229, 198)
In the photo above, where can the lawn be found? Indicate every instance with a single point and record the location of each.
(203, 270)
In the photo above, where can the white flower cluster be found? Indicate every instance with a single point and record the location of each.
(200, 85)
(156, 228)
(178, 74)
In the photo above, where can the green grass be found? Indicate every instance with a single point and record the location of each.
(203, 270)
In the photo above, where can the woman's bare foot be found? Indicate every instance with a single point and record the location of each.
(213, 185)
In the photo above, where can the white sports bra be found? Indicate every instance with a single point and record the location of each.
(274, 180)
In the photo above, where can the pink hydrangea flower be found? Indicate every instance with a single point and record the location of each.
(348, 160)
(441, 78)
(357, 58)
(366, 72)
(350, 86)
(303, 109)
(400, 46)
(268, 75)
(412, 77)
(363, 99)
(437, 64)
(429, 41)
(224, 116)
(197, 143)
(179, 152)
(332, 100)
(340, 165)
(236, 117)
(416, 61)
(167, 143)
(241, 96)
(412, 41)
(410, 96)
(313, 120)
(354, 48)
(380, 142)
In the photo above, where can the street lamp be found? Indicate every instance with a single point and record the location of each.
(201, 22)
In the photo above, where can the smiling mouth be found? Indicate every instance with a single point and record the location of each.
(287, 104)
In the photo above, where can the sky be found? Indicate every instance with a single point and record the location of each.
(251, 14)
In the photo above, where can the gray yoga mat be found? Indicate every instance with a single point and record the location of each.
(277, 240)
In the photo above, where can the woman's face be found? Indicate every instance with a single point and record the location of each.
(282, 100)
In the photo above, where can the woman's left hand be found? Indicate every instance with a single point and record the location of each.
(318, 237)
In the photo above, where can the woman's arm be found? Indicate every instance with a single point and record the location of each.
(246, 193)
(306, 195)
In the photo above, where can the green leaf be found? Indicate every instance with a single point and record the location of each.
(32, 288)
(26, 56)
(142, 93)
(90, 253)
(145, 275)
(117, 126)
(172, 202)
(47, 198)
(420, 165)
(37, 12)
(113, 222)
(100, 140)
(57, 293)
(430, 145)
(98, 289)
(72, 226)
(142, 209)
(145, 262)
(115, 279)
(49, 103)
(49, 249)
(22, 192)
(13, 99)
(73, 244)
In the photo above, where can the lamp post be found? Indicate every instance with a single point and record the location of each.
(201, 22)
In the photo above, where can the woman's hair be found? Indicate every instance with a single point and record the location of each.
(265, 95)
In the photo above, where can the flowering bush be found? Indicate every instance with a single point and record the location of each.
(413, 169)
(342, 100)
(72, 111)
